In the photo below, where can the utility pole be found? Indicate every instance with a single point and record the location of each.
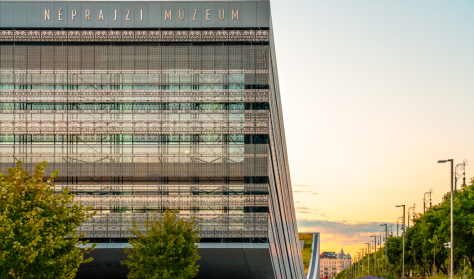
(424, 204)
(430, 197)
(408, 221)
(451, 244)
(403, 243)
(368, 258)
(358, 264)
(386, 248)
(413, 212)
(424, 200)
(375, 253)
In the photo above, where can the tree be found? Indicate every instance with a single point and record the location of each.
(464, 222)
(424, 241)
(166, 250)
(38, 229)
(395, 253)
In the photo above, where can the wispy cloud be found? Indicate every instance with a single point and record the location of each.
(342, 232)
(314, 211)
(301, 185)
(306, 191)
(306, 210)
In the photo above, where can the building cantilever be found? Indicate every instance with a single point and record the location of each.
(314, 266)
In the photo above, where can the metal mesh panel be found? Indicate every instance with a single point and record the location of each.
(253, 225)
(89, 111)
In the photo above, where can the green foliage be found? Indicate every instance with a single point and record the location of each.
(166, 250)
(307, 250)
(38, 229)
(424, 241)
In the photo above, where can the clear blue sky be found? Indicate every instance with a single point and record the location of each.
(374, 92)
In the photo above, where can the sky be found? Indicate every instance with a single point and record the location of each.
(374, 93)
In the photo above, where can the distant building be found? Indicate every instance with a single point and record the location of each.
(332, 264)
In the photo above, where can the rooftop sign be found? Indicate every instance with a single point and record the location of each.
(150, 14)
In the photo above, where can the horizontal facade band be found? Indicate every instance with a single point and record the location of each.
(193, 202)
(129, 97)
(137, 149)
(134, 14)
(113, 139)
(134, 35)
(216, 225)
(228, 156)
(124, 114)
(6, 73)
(161, 189)
(136, 59)
(127, 108)
(254, 167)
(94, 82)
(164, 92)
(84, 161)
(139, 132)
(75, 81)
(200, 245)
(104, 113)
(210, 241)
(203, 210)
(122, 232)
(164, 115)
(90, 129)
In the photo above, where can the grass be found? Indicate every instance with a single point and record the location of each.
(308, 241)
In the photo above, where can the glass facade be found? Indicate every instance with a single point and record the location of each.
(137, 121)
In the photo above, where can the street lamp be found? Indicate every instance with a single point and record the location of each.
(375, 254)
(386, 236)
(451, 243)
(399, 221)
(424, 200)
(459, 175)
(403, 234)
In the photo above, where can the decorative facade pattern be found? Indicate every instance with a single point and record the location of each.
(134, 36)
(137, 121)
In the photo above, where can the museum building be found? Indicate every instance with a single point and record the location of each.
(148, 105)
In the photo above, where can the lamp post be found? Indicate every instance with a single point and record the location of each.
(403, 242)
(386, 248)
(375, 254)
(355, 266)
(358, 264)
(368, 258)
(450, 243)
